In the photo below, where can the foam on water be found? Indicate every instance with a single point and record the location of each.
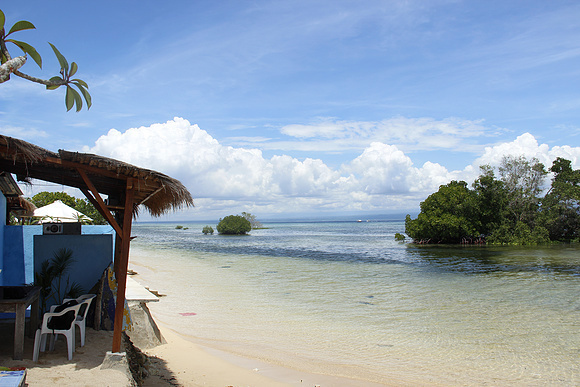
(345, 298)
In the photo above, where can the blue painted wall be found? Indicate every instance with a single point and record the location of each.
(18, 265)
(92, 254)
(18, 259)
(23, 248)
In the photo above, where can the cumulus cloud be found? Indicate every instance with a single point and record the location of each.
(382, 169)
(234, 179)
(527, 145)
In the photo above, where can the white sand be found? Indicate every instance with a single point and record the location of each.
(178, 362)
(189, 364)
(53, 368)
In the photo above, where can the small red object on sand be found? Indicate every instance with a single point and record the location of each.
(188, 314)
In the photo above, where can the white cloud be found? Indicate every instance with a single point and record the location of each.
(526, 145)
(383, 169)
(227, 179)
(29, 134)
(407, 133)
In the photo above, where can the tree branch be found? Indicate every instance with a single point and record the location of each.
(39, 80)
(11, 66)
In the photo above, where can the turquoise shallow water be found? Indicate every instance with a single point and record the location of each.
(347, 299)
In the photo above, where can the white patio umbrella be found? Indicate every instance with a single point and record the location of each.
(59, 212)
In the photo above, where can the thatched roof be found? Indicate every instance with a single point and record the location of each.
(20, 207)
(157, 192)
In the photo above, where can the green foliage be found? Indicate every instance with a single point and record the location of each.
(234, 225)
(87, 208)
(399, 237)
(447, 216)
(523, 180)
(73, 97)
(492, 200)
(207, 230)
(45, 198)
(51, 279)
(42, 199)
(178, 227)
(520, 234)
(505, 211)
(560, 211)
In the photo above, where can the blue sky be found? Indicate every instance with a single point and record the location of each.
(305, 107)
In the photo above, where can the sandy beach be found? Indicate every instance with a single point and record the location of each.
(182, 362)
(194, 364)
(53, 368)
(178, 362)
(187, 361)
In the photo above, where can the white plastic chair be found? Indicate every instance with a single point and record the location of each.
(85, 302)
(43, 332)
(85, 299)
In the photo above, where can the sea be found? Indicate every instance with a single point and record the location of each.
(347, 299)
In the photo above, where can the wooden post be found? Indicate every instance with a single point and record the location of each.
(121, 266)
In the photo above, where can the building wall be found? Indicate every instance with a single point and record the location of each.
(18, 253)
(92, 254)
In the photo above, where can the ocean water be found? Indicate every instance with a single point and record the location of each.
(347, 299)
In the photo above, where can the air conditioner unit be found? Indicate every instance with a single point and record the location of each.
(52, 228)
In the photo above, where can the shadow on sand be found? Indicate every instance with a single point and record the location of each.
(86, 361)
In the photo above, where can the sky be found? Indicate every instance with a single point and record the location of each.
(306, 107)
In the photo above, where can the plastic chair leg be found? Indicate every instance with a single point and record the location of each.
(37, 340)
(82, 330)
(71, 345)
(43, 338)
(52, 341)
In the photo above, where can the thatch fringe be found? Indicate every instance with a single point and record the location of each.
(168, 194)
(157, 192)
(15, 149)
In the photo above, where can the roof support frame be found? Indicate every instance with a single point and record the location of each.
(121, 265)
(98, 202)
(95, 175)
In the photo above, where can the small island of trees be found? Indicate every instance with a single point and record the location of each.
(504, 210)
(237, 224)
(234, 225)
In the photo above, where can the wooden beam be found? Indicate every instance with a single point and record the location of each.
(122, 266)
(152, 194)
(88, 168)
(98, 202)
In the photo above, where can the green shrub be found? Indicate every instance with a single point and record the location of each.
(399, 237)
(234, 225)
(207, 230)
(178, 227)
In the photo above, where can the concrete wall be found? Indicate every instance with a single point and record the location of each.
(24, 248)
(92, 254)
(18, 259)
(18, 255)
